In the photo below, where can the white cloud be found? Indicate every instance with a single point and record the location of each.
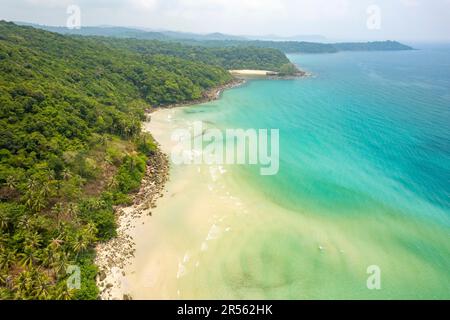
(410, 3)
(338, 19)
(145, 4)
(50, 3)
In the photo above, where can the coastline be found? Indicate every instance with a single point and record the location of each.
(190, 249)
(114, 256)
(209, 95)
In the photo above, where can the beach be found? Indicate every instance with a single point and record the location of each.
(115, 257)
(261, 73)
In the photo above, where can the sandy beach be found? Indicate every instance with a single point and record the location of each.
(158, 244)
(260, 73)
(115, 257)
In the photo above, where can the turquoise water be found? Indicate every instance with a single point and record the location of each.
(364, 159)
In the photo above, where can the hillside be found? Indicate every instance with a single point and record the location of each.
(309, 47)
(221, 40)
(234, 57)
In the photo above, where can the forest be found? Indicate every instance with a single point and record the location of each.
(218, 40)
(71, 145)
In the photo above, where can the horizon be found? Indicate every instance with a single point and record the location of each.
(336, 20)
(248, 37)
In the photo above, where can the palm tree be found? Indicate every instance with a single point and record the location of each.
(33, 240)
(91, 231)
(29, 257)
(132, 163)
(57, 210)
(41, 286)
(8, 259)
(11, 182)
(35, 200)
(80, 243)
(23, 285)
(4, 237)
(55, 244)
(64, 293)
(72, 210)
(46, 189)
(66, 174)
(24, 222)
(4, 220)
(50, 255)
(113, 184)
(61, 262)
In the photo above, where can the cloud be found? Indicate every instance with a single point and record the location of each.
(145, 4)
(410, 3)
(341, 19)
(50, 3)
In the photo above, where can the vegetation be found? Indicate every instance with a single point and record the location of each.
(125, 32)
(71, 146)
(309, 47)
(230, 58)
(223, 41)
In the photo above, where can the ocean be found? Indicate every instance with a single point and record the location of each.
(363, 185)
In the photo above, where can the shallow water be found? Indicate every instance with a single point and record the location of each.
(364, 180)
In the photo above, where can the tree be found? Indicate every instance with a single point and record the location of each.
(7, 259)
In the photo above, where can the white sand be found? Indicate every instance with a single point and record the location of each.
(248, 72)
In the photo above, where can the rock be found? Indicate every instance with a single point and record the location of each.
(109, 286)
(102, 275)
(127, 297)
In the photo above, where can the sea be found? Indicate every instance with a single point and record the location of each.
(360, 206)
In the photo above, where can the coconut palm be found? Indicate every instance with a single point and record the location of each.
(57, 211)
(11, 182)
(41, 286)
(72, 210)
(56, 244)
(113, 183)
(80, 243)
(61, 260)
(64, 293)
(33, 240)
(24, 222)
(8, 259)
(23, 284)
(29, 257)
(66, 174)
(4, 220)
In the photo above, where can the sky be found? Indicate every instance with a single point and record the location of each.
(402, 20)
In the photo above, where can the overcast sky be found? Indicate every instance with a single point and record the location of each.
(407, 20)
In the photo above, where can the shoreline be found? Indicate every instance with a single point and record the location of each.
(114, 256)
(209, 95)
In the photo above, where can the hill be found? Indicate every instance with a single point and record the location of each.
(286, 45)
